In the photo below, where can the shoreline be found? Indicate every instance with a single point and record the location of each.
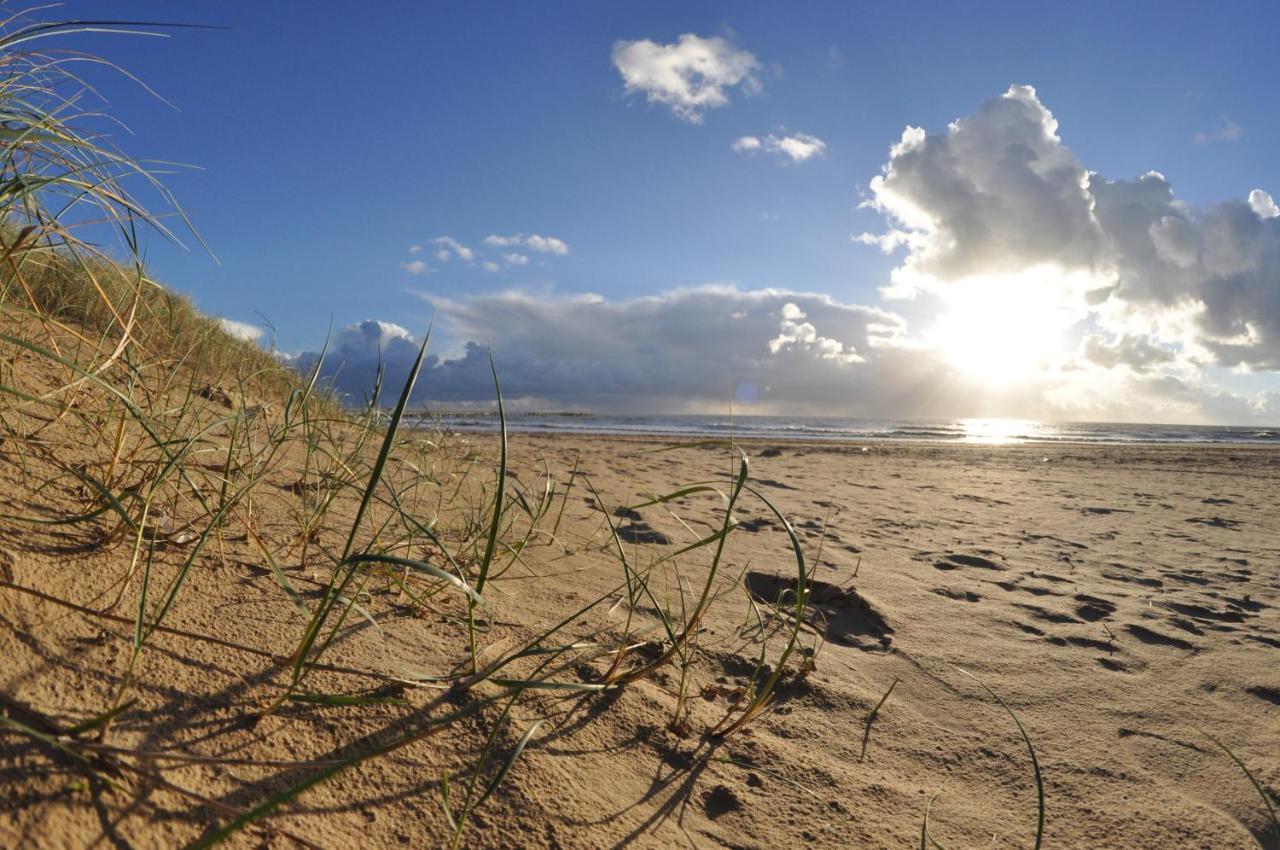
(830, 443)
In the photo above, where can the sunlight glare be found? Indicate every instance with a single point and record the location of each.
(1005, 329)
(998, 431)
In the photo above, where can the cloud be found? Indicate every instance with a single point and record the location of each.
(998, 193)
(355, 353)
(415, 250)
(1000, 234)
(690, 76)
(534, 242)
(795, 333)
(490, 266)
(515, 259)
(448, 248)
(1263, 204)
(1136, 352)
(1227, 131)
(797, 148)
(416, 267)
(676, 350)
(241, 330)
(804, 353)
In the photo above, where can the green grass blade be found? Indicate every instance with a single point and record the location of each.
(507, 765)
(492, 542)
(1035, 762)
(375, 476)
(1257, 786)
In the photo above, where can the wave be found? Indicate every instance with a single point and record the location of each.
(852, 430)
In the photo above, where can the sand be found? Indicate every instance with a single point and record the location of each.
(1116, 598)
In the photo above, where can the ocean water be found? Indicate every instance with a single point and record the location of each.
(988, 431)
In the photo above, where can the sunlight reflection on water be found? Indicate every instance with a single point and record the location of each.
(998, 431)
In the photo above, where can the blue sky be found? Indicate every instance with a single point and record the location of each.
(331, 138)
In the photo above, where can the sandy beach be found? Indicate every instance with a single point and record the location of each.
(1117, 599)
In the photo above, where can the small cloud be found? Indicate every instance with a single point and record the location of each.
(516, 259)
(415, 250)
(1228, 131)
(798, 147)
(490, 266)
(241, 330)
(797, 334)
(416, 267)
(1263, 204)
(546, 245)
(690, 76)
(448, 248)
(534, 242)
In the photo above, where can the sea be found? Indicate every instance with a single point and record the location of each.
(983, 431)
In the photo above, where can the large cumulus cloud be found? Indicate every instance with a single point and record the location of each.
(999, 192)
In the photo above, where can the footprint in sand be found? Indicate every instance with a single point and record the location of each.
(1150, 636)
(1045, 614)
(1216, 522)
(956, 593)
(1093, 608)
(844, 615)
(1121, 665)
(1034, 590)
(955, 561)
(642, 532)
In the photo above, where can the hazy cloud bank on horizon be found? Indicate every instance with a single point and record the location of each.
(696, 350)
(1154, 291)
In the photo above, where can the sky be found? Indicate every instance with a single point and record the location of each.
(1055, 211)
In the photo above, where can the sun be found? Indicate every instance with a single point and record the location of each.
(1003, 330)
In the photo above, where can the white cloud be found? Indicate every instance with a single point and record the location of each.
(534, 242)
(490, 266)
(448, 248)
(690, 76)
(415, 250)
(798, 147)
(1138, 353)
(1004, 238)
(515, 259)
(794, 333)
(998, 193)
(416, 267)
(546, 245)
(241, 330)
(1263, 204)
(1227, 131)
